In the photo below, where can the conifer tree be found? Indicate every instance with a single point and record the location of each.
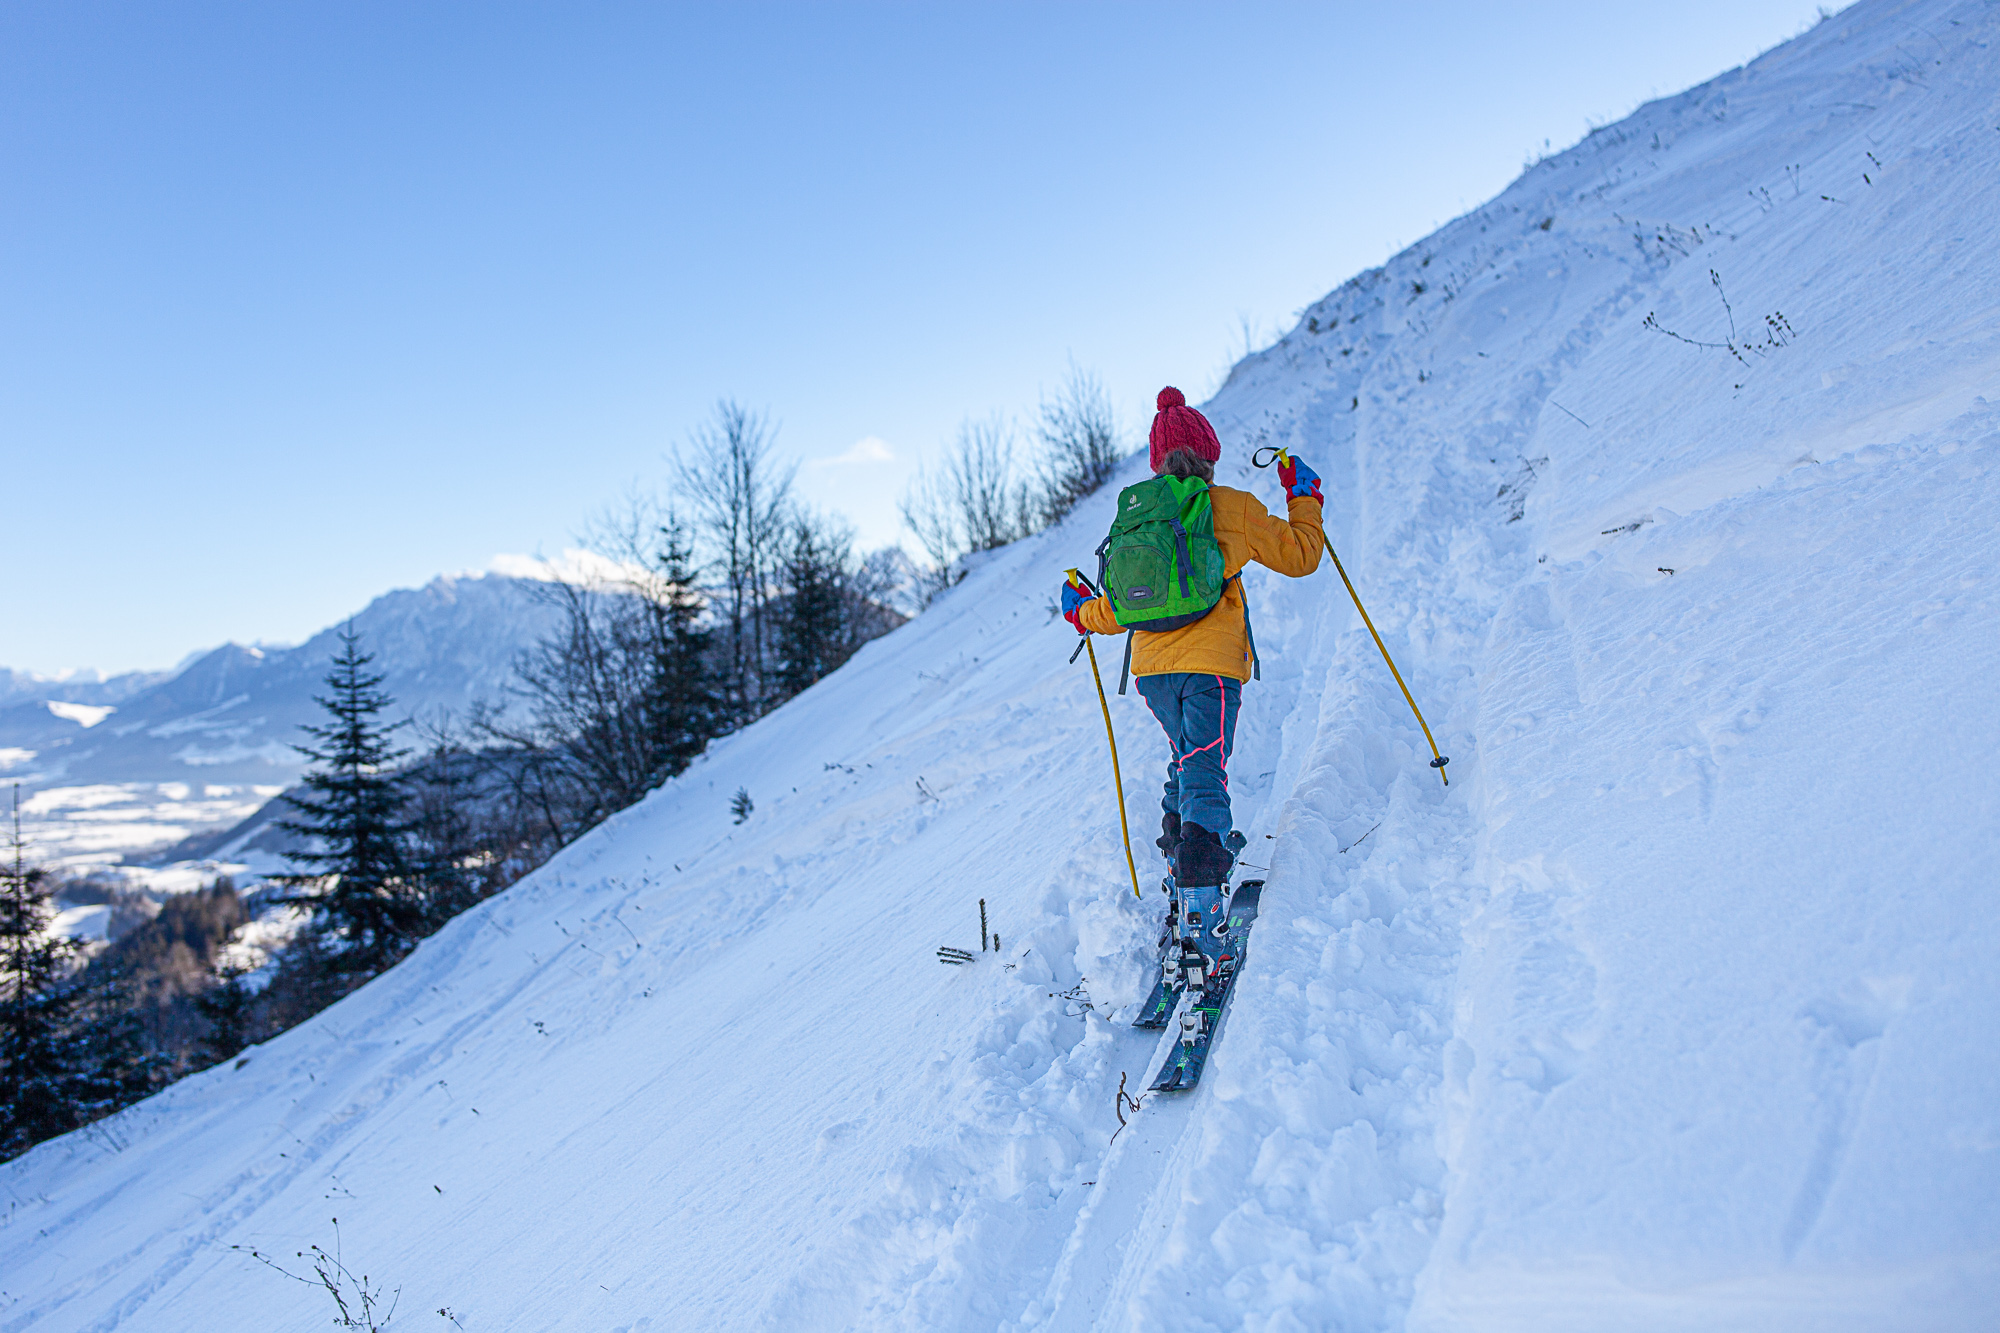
(449, 866)
(38, 1007)
(226, 1007)
(351, 814)
(112, 1062)
(72, 1049)
(685, 704)
(813, 638)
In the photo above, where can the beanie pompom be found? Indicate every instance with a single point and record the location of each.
(1178, 426)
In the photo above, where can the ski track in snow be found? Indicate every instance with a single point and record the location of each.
(1672, 1012)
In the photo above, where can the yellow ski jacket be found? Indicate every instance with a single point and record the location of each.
(1218, 644)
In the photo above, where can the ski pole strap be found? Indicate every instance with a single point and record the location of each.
(1126, 670)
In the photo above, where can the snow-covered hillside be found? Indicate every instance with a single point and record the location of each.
(113, 768)
(1677, 1010)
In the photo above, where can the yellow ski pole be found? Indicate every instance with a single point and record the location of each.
(1117, 777)
(1438, 761)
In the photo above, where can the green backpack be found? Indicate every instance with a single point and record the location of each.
(1160, 566)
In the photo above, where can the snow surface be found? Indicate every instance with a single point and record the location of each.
(1677, 1010)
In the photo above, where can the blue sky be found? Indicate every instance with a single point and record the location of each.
(302, 302)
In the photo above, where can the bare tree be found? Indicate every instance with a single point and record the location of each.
(1080, 447)
(978, 500)
(583, 686)
(994, 506)
(741, 499)
(930, 513)
(974, 503)
(882, 584)
(622, 695)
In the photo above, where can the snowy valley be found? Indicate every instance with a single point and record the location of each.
(1672, 478)
(125, 768)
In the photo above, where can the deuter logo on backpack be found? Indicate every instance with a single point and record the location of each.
(1160, 564)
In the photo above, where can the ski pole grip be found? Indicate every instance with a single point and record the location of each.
(1258, 460)
(1084, 584)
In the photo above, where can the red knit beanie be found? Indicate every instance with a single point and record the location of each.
(1178, 426)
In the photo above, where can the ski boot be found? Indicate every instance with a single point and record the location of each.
(1191, 937)
(1202, 863)
(1170, 923)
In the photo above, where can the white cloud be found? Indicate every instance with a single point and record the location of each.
(867, 449)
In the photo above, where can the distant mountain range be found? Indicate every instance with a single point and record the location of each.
(229, 717)
(79, 687)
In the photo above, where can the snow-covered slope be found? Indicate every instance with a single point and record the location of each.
(139, 762)
(1676, 1010)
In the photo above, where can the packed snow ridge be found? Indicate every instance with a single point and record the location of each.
(1670, 476)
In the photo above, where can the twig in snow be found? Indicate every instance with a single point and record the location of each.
(1076, 995)
(1727, 309)
(1778, 331)
(358, 1302)
(1120, 1105)
(1571, 415)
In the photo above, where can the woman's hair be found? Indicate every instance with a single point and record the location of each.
(1185, 463)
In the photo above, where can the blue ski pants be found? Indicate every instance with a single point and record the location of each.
(1199, 714)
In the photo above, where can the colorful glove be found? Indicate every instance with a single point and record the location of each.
(1298, 478)
(1073, 599)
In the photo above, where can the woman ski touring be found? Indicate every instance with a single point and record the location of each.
(1170, 574)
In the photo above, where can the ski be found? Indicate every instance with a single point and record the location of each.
(1202, 1012)
(1159, 1006)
